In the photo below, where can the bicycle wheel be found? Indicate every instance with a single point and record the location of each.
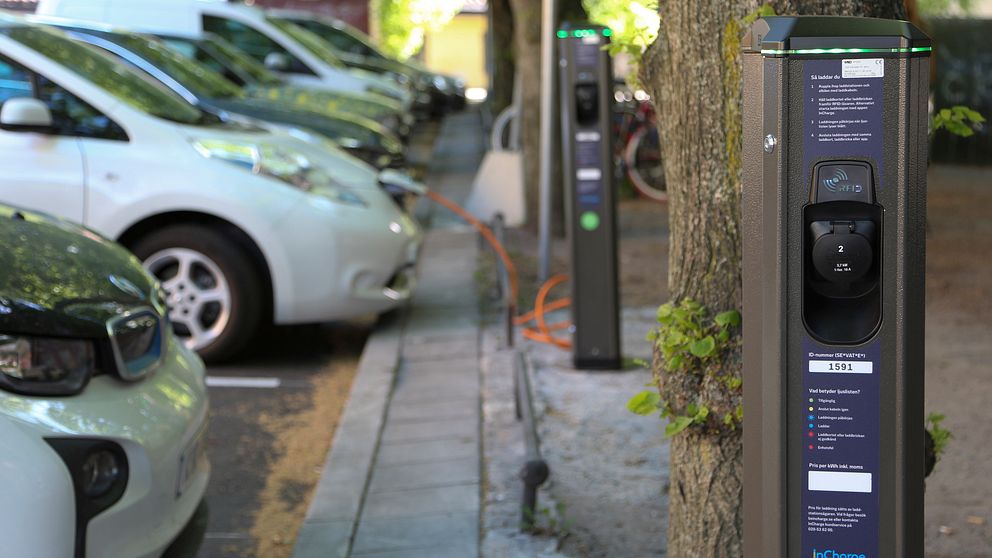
(646, 170)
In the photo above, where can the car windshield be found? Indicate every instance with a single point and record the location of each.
(309, 40)
(341, 38)
(229, 55)
(192, 75)
(114, 77)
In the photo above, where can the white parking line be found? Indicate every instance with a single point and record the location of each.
(242, 382)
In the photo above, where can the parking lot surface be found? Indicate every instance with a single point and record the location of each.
(272, 416)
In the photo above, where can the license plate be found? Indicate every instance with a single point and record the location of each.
(189, 460)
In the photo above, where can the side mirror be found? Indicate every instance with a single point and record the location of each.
(25, 114)
(277, 62)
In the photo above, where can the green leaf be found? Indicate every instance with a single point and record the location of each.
(728, 419)
(703, 347)
(677, 425)
(723, 336)
(945, 114)
(675, 363)
(700, 415)
(730, 317)
(665, 313)
(644, 403)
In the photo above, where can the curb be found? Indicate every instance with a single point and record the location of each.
(337, 501)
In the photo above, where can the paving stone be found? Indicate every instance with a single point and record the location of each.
(430, 430)
(464, 550)
(425, 475)
(435, 410)
(417, 533)
(416, 502)
(439, 351)
(428, 450)
(323, 540)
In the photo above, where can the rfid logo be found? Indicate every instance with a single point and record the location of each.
(832, 182)
(838, 183)
(835, 554)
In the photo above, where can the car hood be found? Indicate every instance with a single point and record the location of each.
(335, 127)
(346, 170)
(369, 105)
(62, 280)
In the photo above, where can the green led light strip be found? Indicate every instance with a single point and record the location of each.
(848, 50)
(579, 33)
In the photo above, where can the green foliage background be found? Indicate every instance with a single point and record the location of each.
(402, 24)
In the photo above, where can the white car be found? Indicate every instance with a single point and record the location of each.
(241, 224)
(302, 57)
(103, 412)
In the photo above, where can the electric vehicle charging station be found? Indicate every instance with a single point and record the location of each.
(833, 214)
(586, 86)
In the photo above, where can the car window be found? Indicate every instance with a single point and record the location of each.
(237, 60)
(201, 80)
(252, 41)
(71, 116)
(317, 46)
(339, 38)
(189, 49)
(113, 77)
(15, 81)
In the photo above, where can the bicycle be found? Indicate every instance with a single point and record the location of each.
(637, 146)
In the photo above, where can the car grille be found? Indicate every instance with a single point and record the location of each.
(137, 339)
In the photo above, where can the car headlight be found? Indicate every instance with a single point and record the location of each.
(440, 82)
(283, 164)
(45, 365)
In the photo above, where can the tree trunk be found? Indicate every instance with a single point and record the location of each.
(502, 31)
(527, 32)
(693, 74)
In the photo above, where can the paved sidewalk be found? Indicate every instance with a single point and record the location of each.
(402, 478)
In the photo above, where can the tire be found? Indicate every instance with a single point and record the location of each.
(213, 291)
(642, 158)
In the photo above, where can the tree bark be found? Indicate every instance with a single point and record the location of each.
(503, 55)
(693, 74)
(527, 33)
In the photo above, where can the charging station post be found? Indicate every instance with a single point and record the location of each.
(834, 213)
(586, 87)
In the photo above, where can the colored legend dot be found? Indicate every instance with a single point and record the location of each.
(589, 221)
(810, 434)
(811, 425)
(811, 446)
(811, 409)
(810, 399)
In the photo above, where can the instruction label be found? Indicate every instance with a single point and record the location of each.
(843, 111)
(840, 499)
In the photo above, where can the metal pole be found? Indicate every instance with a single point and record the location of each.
(548, 72)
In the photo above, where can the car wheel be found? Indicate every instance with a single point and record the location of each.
(213, 292)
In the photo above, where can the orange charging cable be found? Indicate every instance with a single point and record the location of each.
(543, 333)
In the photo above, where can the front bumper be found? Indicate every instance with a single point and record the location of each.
(345, 262)
(156, 422)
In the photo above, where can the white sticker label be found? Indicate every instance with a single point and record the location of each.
(828, 481)
(590, 173)
(587, 136)
(840, 367)
(863, 68)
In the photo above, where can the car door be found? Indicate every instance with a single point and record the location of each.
(38, 170)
